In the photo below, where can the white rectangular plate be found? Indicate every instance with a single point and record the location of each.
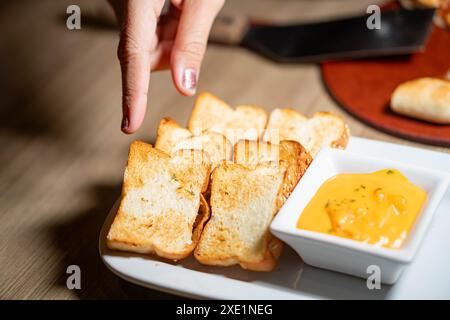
(428, 277)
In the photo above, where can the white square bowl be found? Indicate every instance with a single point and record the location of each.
(346, 255)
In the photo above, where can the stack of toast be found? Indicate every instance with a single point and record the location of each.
(213, 188)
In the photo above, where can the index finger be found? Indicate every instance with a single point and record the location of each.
(136, 41)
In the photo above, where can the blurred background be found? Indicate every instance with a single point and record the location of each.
(62, 152)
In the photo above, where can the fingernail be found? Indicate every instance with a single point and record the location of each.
(125, 122)
(189, 80)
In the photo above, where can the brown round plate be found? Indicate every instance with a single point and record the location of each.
(364, 88)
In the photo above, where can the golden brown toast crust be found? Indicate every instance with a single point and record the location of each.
(212, 114)
(342, 142)
(322, 129)
(172, 137)
(169, 134)
(298, 161)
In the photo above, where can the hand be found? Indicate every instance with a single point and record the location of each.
(149, 41)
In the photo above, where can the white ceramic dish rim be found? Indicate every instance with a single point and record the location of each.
(283, 222)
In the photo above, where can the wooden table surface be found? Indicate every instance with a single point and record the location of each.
(62, 153)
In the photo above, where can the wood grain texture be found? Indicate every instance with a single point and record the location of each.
(62, 153)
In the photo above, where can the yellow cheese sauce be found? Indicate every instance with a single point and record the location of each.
(377, 208)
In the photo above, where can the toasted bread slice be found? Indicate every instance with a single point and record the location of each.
(243, 203)
(251, 153)
(298, 161)
(212, 114)
(160, 201)
(216, 145)
(169, 134)
(324, 129)
(172, 137)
